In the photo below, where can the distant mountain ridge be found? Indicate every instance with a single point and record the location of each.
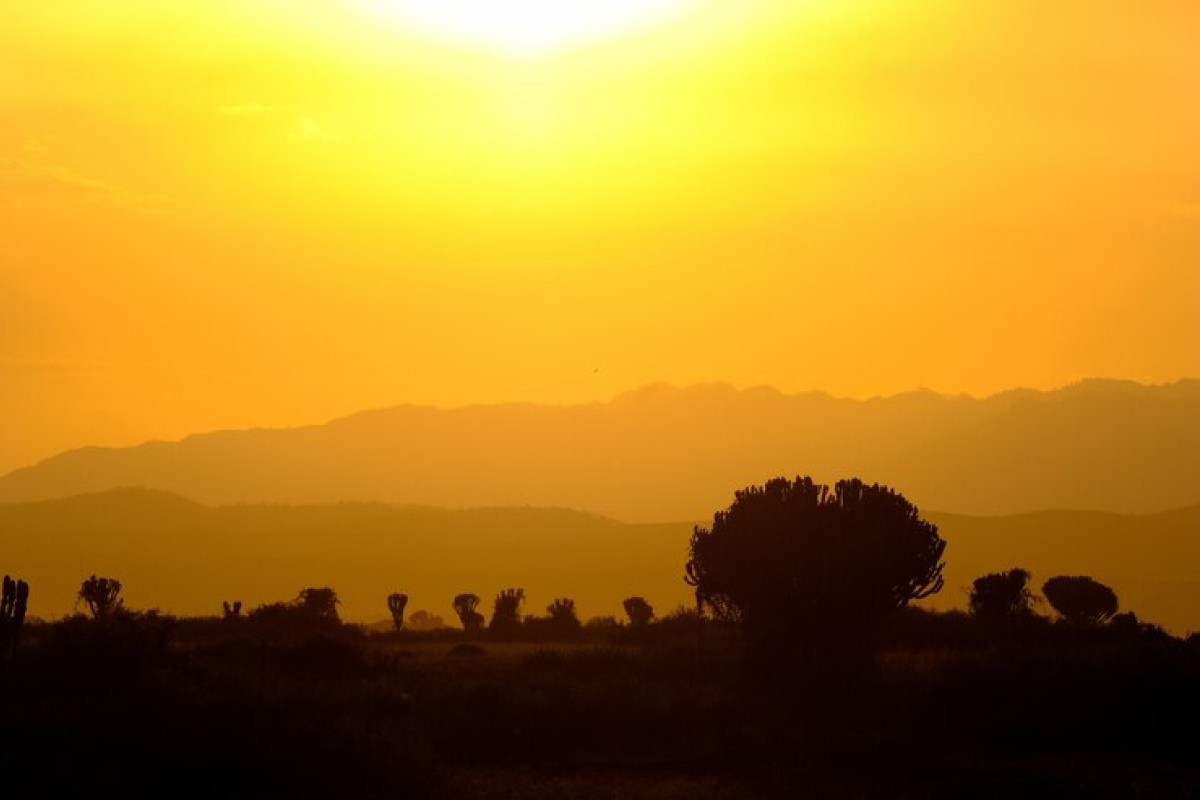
(662, 453)
(186, 557)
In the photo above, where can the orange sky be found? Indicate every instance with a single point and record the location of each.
(219, 213)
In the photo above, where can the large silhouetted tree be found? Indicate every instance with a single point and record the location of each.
(797, 558)
(1002, 595)
(102, 596)
(1080, 599)
(506, 610)
(465, 606)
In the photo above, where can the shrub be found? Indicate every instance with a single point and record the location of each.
(1002, 595)
(562, 614)
(313, 611)
(638, 610)
(421, 620)
(319, 602)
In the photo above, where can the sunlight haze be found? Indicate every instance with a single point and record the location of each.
(591, 399)
(525, 28)
(229, 214)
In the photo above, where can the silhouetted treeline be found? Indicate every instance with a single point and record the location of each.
(803, 670)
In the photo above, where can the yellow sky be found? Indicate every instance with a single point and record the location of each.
(219, 213)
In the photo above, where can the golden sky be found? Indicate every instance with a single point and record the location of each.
(220, 213)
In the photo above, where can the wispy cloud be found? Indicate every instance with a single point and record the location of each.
(26, 182)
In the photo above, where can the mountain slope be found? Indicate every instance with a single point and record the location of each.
(662, 453)
(186, 558)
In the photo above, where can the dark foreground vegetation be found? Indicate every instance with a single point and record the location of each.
(803, 673)
(147, 706)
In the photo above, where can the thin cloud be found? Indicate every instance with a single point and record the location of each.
(24, 182)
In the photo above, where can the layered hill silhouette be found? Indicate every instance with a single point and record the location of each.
(664, 453)
(661, 453)
(186, 558)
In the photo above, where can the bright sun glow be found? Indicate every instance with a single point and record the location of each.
(526, 28)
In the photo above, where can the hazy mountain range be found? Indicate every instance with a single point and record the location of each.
(663, 454)
(183, 557)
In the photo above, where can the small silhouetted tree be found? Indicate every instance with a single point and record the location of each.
(799, 561)
(319, 602)
(102, 596)
(1080, 599)
(639, 611)
(506, 610)
(233, 611)
(396, 603)
(1002, 595)
(465, 606)
(563, 618)
(13, 603)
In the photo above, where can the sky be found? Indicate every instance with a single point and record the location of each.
(223, 213)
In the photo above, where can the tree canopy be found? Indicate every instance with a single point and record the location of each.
(396, 603)
(506, 610)
(319, 601)
(1080, 599)
(1002, 595)
(796, 556)
(639, 611)
(102, 596)
(465, 606)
